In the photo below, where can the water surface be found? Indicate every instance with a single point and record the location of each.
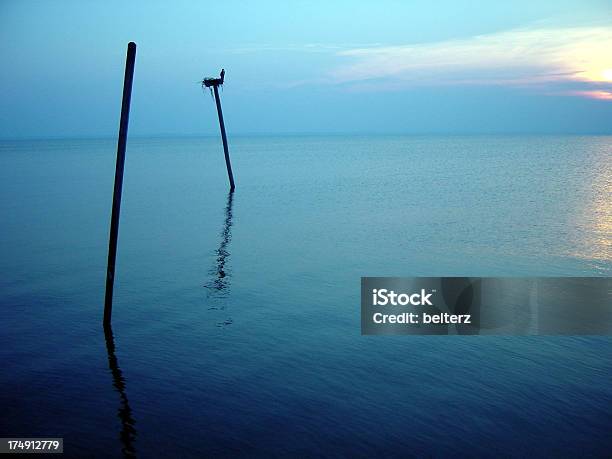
(236, 318)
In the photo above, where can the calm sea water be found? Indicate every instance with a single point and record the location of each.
(236, 321)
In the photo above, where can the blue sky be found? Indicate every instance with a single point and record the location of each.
(417, 67)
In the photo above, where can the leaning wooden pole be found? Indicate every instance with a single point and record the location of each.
(215, 83)
(121, 143)
(224, 139)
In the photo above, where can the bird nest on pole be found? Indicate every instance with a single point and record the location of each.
(213, 82)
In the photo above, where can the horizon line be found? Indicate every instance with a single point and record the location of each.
(312, 134)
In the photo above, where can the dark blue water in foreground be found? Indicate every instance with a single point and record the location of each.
(236, 323)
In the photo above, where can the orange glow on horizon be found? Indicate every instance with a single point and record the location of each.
(594, 94)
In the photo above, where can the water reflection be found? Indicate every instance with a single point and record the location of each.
(221, 278)
(128, 431)
(592, 225)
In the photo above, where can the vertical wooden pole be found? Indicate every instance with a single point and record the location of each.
(114, 228)
(224, 138)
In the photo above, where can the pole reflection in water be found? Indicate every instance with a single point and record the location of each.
(128, 431)
(221, 278)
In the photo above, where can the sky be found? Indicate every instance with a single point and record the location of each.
(314, 67)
